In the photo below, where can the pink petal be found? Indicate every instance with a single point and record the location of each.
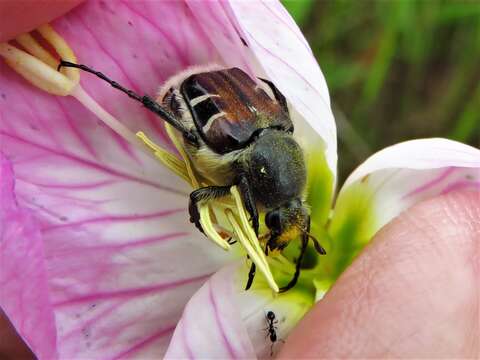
(24, 294)
(275, 49)
(400, 176)
(211, 325)
(280, 49)
(114, 225)
(140, 44)
(419, 154)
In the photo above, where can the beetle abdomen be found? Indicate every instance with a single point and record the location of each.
(227, 107)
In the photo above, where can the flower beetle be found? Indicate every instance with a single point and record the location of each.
(238, 131)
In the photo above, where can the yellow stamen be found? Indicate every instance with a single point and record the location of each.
(207, 226)
(62, 49)
(37, 72)
(188, 166)
(254, 255)
(38, 67)
(29, 43)
(252, 238)
(205, 218)
(167, 159)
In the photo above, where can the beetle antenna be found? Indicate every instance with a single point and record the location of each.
(102, 76)
(146, 100)
(316, 244)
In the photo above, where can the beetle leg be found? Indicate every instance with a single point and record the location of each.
(249, 202)
(297, 267)
(271, 244)
(251, 207)
(316, 244)
(251, 276)
(230, 241)
(146, 100)
(202, 194)
(278, 95)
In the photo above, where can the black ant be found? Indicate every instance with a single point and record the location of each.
(271, 329)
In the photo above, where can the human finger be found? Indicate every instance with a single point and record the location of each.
(412, 293)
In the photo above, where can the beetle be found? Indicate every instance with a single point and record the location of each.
(237, 131)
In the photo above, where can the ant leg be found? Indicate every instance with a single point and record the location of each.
(297, 267)
(146, 100)
(202, 194)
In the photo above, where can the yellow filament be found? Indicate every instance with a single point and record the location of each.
(254, 255)
(188, 166)
(252, 238)
(208, 228)
(167, 159)
(205, 218)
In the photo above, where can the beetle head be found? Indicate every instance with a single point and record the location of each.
(286, 223)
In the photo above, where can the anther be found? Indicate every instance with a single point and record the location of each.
(36, 64)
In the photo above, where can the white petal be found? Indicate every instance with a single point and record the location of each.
(275, 49)
(406, 173)
(279, 46)
(419, 154)
(211, 325)
(235, 319)
(390, 182)
(114, 222)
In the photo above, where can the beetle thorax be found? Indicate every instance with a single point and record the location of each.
(275, 167)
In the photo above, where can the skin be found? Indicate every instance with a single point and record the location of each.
(11, 345)
(413, 292)
(20, 16)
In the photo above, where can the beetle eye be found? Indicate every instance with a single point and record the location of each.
(272, 220)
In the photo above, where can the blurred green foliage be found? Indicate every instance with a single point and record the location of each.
(396, 70)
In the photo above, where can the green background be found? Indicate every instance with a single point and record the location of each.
(396, 70)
